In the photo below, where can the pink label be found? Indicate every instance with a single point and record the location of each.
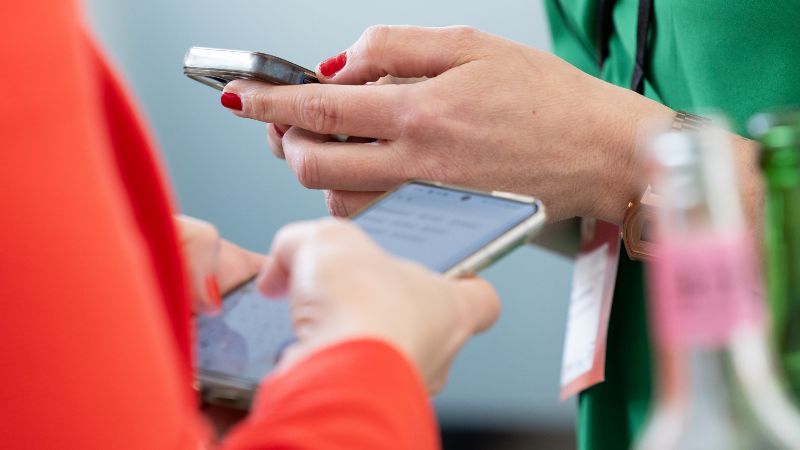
(703, 288)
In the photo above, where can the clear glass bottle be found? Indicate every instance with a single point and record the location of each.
(716, 386)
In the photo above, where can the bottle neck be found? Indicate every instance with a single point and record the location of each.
(691, 374)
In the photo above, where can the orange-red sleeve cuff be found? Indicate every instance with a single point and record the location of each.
(357, 394)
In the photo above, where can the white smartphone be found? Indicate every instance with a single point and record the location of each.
(451, 230)
(217, 67)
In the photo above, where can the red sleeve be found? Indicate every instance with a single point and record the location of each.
(93, 309)
(356, 395)
(89, 357)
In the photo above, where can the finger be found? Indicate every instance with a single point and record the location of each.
(347, 203)
(273, 281)
(289, 245)
(479, 302)
(200, 243)
(275, 132)
(401, 51)
(321, 164)
(373, 111)
(236, 265)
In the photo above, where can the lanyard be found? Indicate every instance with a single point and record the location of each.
(605, 28)
(642, 28)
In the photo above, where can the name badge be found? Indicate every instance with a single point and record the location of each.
(593, 281)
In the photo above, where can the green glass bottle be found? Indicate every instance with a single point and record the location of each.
(779, 134)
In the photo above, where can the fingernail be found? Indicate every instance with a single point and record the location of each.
(213, 291)
(331, 66)
(231, 101)
(279, 130)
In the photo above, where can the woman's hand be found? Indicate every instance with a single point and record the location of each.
(215, 265)
(275, 131)
(343, 286)
(494, 114)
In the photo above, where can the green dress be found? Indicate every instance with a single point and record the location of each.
(737, 57)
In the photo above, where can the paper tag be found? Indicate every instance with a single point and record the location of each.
(593, 280)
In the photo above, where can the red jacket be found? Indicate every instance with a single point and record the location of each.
(95, 349)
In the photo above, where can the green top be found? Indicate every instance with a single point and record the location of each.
(738, 57)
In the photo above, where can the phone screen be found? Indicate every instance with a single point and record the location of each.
(435, 226)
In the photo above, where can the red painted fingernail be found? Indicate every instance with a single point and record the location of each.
(213, 291)
(279, 130)
(231, 101)
(331, 66)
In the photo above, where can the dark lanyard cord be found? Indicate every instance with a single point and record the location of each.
(605, 28)
(642, 30)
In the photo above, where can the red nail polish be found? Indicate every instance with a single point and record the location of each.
(331, 66)
(213, 291)
(231, 101)
(279, 130)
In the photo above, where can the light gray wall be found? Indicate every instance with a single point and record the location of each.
(222, 170)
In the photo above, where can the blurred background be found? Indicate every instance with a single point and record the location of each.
(503, 390)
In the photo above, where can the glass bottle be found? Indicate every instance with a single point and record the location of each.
(779, 134)
(716, 386)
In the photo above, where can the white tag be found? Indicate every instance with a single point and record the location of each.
(585, 307)
(593, 283)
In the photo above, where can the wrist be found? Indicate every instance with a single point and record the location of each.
(619, 173)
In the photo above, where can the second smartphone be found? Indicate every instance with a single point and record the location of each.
(447, 229)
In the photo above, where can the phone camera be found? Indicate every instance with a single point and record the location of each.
(465, 198)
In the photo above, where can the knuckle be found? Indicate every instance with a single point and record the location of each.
(275, 144)
(211, 232)
(258, 105)
(336, 204)
(464, 33)
(285, 231)
(321, 114)
(373, 40)
(419, 117)
(200, 230)
(306, 168)
(329, 231)
(416, 119)
(277, 151)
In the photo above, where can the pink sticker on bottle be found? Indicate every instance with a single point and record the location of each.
(703, 288)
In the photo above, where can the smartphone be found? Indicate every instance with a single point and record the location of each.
(451, 230)
(217, 67)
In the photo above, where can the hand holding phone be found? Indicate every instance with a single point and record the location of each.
(344, 286)
(450, 230)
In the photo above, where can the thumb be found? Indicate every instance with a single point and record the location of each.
(478, 302)
(200, 244)
(401, 51)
